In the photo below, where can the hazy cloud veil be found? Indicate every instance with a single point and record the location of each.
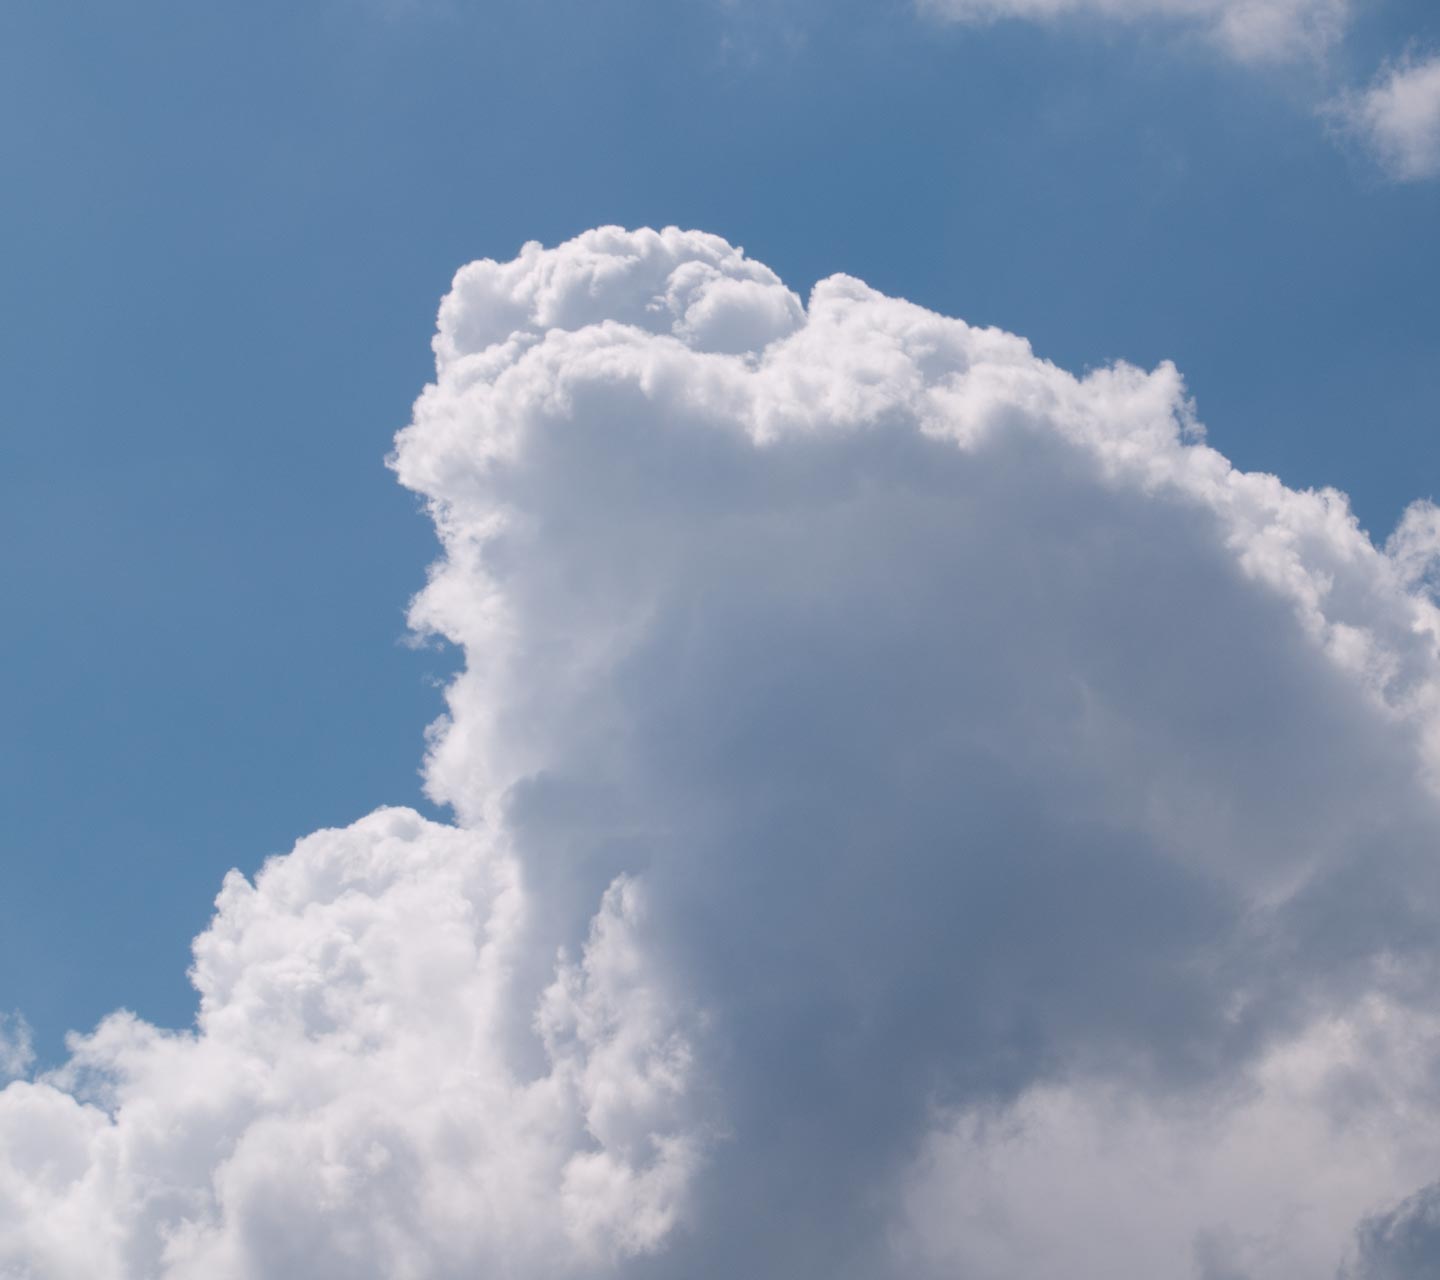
(1251, 30)
(918, 813)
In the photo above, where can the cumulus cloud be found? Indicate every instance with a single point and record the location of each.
(350, 1101)
(918, 812)
(1252, 30)
(1398, 118)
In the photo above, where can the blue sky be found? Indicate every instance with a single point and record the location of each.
(868, 701)
(226, 231)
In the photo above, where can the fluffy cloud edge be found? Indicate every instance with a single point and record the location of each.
(356, 1091)
(1396, 119)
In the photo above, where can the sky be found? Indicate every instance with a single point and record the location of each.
(850, 712)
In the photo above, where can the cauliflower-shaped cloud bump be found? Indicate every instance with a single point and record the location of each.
(694, 286)
(352, 1100)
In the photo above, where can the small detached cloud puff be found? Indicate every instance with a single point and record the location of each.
(1398, 119)
(918, 813)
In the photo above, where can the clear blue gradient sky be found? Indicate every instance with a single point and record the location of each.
(224, 233)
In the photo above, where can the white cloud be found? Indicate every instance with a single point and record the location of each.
(1252, 30)
(902, 744)
(1398, 118)
(353, 1100)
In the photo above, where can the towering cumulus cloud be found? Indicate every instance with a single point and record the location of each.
(917, 814)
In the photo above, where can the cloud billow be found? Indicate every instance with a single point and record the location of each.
(917, 813)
